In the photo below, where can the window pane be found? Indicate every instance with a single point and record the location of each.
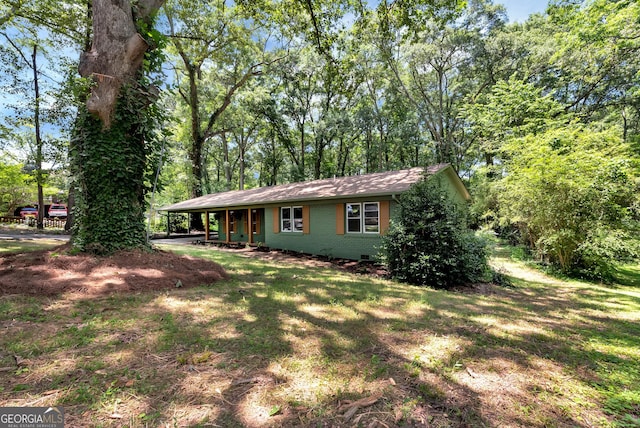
(371, 218)
(354, 218)
(371, 228)
(353, 210)
(297, 219)
(286, 219)
(371, 207)
(232, 222)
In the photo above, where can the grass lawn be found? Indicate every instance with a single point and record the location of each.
(18, 239)
(9, 246)
(292, 345)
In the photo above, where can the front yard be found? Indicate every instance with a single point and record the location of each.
(289, 344)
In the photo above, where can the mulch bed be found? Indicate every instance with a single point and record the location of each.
(55, 271)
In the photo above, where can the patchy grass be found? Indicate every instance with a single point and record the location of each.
(295, 345)
(10, 246)
(628, 275)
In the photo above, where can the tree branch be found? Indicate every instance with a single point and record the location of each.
(254, 70)
(16, 48)
(315, 25)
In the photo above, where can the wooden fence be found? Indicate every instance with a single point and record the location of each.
(53, 223)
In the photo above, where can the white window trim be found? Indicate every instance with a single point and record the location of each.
(362, 218)
(292, 219)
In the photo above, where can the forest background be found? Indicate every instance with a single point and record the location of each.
(541, 118)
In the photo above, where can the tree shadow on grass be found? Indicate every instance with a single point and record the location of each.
(281, 345)
(330, 353)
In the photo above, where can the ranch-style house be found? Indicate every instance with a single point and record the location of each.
(336, 217)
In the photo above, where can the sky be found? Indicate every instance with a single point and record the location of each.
(519, 10)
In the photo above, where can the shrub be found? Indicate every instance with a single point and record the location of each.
(597, 257)
(573, 193)
(429, 242)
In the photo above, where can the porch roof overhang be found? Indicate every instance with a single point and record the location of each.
(367, 185)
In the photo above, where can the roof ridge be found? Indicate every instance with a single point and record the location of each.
(361, 185)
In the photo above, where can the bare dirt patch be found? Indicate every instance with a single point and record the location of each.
(55, 271)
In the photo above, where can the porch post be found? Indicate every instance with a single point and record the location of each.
(226, 226)
(250, 225)
(206, 225)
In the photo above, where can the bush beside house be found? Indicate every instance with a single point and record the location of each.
(429, 241)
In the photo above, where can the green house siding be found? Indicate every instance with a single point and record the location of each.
(241, 233)
(323, 238)
(455, 188)
(259, 237)
(319, 215)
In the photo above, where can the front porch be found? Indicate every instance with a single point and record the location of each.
(235, 227)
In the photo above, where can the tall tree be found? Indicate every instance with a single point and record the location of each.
(31, 70)
(114, 134)
(220, 52)
(434, 71)
(597, 61)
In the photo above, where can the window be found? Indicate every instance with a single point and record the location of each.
(297, 219)
(291, 219)
(371, 217)
(353, 218)
(363, 218)
(285, 219)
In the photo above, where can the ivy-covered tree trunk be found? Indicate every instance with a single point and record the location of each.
(111, 145)
(108, 167)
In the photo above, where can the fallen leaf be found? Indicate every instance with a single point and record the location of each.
(256, 379)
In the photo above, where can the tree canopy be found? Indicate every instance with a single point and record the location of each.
(541, 118)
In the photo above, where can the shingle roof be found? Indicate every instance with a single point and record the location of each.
(376, 184)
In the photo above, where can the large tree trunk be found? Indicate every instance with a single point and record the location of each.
(116, 52)
(110, 148)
